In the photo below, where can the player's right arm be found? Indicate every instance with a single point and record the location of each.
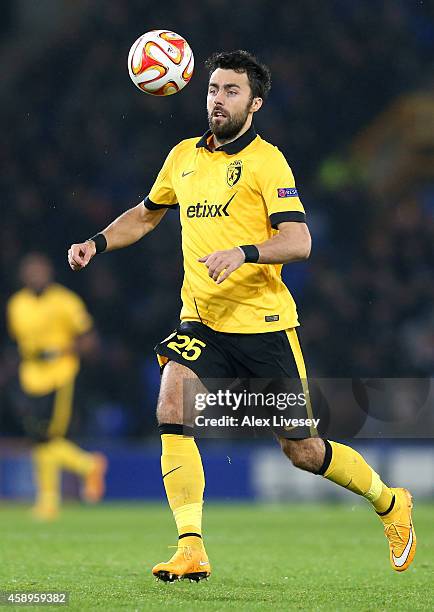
(128, 228)
(134, 223)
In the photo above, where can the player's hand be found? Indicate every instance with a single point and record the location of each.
(221, 264)
(79, 255)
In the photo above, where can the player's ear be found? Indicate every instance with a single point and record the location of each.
(256, 104)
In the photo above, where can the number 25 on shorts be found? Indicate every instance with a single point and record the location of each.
(189, 348)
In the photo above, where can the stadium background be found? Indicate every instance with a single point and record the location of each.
(352, 108)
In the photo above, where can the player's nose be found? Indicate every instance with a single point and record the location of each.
(219, 98)
(219, 106)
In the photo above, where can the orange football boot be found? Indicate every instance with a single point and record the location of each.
(94, 482)
(399, 530)
(45, 512)
(190, 561)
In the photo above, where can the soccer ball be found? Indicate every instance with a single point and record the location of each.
(160, 63)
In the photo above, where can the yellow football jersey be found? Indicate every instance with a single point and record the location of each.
(235, 195)
(45, 327)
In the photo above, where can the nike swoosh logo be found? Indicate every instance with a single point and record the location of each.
(187, 173)
(170, 471)
(203, 563)
(399, 561)
(227, 204)
(286, 428)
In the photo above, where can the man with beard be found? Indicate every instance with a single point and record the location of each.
(241, 221)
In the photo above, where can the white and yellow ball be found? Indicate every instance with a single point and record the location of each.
(160, 63)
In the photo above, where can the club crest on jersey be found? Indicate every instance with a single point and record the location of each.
(233, 174)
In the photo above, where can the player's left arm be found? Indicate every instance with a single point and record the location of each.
(292, 243)
(87, 344)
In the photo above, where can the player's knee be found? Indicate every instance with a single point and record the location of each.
(169, 411)
(170, 406)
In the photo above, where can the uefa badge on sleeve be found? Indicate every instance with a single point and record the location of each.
(287, 192)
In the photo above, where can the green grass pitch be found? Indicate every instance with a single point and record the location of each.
(264, 557)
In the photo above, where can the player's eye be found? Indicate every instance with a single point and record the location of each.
(212, 91)
(232, 92)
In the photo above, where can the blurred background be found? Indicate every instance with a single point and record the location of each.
(351, 107)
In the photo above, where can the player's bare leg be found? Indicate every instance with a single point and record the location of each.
(305, 454)
(183, 479)
(346, 467)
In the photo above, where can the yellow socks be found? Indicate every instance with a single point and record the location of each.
(183, 479)
(71, 457)
(47, 477)
(49, 458)
(347, 468)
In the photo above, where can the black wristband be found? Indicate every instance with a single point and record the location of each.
(100, 242)
(251, 253)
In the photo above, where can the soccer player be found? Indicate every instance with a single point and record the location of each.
(241, 220)
(50, 325)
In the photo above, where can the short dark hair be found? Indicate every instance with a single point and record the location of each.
(258, 74)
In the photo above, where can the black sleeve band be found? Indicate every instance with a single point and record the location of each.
(251, 253)
(150, 205)
(290, 215)
(100, 242)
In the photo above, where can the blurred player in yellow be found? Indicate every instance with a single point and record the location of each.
(51, 325)
(241, 219)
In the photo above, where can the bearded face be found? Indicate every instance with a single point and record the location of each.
(229, 103)
(226, 125)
